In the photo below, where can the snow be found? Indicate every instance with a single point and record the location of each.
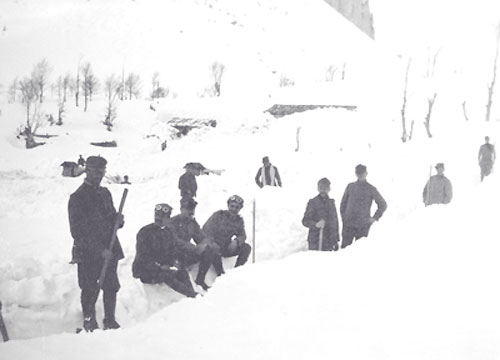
(420, 287)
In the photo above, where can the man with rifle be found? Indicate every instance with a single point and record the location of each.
(93, 222)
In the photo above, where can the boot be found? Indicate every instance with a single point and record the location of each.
(110, 324)
(90, 324)
(109, 299)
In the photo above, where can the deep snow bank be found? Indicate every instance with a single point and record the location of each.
(424, 293)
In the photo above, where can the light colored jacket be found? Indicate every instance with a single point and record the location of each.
(438, 190)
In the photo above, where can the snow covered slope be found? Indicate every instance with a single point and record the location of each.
(418, 288)
(180, 39)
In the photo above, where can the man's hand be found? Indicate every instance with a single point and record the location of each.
(320, 224)
(107, 254)
(200, 249)
(120, 220)
(371, 220)
(335, 246)
(233, 245)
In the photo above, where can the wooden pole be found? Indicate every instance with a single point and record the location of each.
(253, 233)
(113, 239)
(320, 245)
(3, 329)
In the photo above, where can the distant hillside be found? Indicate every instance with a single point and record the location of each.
(356, 11)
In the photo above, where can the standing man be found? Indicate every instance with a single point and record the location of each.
(438, 189)
(187, 181)
(159, 251)
(92, 218)
(225, 231)
(268, 174)
(321, 213)
(187, 229)
(355, 207)
(486, 157)
(81, 161)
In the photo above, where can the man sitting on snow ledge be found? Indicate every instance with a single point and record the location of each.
(225, 231)
(159, 255)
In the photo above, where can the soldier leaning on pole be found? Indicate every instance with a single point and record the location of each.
(321, 214)
(92, 218)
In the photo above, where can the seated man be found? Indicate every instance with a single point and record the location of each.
(186, 228)
(225, 231)
(157, 254)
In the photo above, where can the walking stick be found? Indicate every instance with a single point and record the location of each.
(3, 329)
(253, 233)
(320, 245)
(113, 240)
(428, 194)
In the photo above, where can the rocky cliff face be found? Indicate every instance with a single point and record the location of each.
(356, 11)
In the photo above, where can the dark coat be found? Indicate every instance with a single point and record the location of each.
(186, 228)
(156, 246)
(92, 219)
(322, 208)
(355, 207)
(438, 190)
(487, 154)
(187, 185)
(222, 226)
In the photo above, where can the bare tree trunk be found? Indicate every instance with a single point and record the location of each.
(491, 86)
(411, 130)
(404, 136)
(464, 103)
(77, 90)
(427, 122)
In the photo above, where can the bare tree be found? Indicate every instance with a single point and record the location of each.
(122, 85)
(217, 70)
(112, 89)
(404, 137)
(77, 83)
(464, 109)
(89, 84)
(132, 85)
(431, 101)
(12, 92)
(330, 73)
(155, 82)
(61, 98)
(491, 86)
(40, 75)
(66, 83)
(30, 96)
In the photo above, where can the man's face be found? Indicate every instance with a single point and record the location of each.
(95, 174)
(162, 214)
(440, 171)
(234, 208)
(362, 176)
(189, 213)
(323, 189)
(266, 163)
(487, 139)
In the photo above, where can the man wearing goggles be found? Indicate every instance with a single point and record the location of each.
(92, 218)
(159, 254)
(225, 231)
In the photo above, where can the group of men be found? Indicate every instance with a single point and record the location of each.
(167, 247)
(355, 209)
(164, 249)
